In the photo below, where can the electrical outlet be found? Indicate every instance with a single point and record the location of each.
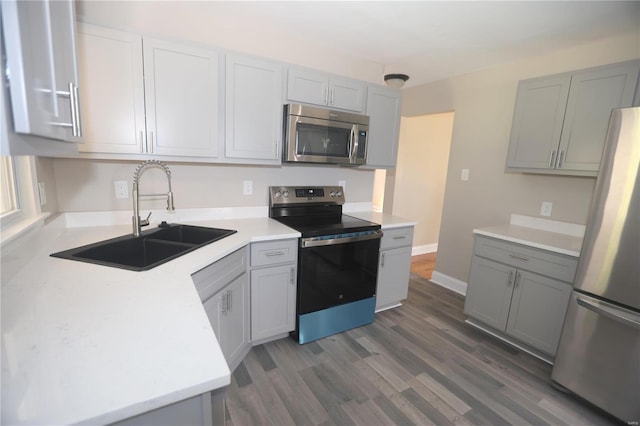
(464, 175)
(42, 193)
(247, 187)
(121, 189)
(546, 208)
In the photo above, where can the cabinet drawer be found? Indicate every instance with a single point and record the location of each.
(542, 262)
(396, 237)
(213, 278)
(274, 252)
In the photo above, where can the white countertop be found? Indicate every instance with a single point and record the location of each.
(538, 234)
(387, 221)
(84, 343)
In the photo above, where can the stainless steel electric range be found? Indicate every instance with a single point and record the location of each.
(337, 260)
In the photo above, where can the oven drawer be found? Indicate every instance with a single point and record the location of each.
(274, 252)
(396, 237)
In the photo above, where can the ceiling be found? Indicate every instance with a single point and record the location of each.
(432, 40)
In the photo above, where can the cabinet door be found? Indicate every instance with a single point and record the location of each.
(40, 46)
(383, 109)
(181, 99)
(489, 292)
(346, 94)
(537, 311)
(213, 308)
(537, 122)
(110, 67)
(307, 86)
(273, 301)
(234, 320)
(593, 94)
(393, 276)
(253, 109)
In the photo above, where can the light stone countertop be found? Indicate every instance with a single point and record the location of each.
(544, 234)
(84, 343)
(387, 221)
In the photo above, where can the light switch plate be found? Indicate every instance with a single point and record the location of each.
(546, 208)
(247, 187)
(464, 175)
(121, 189)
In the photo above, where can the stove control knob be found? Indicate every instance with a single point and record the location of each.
(332, 194)
(285, 194)
(339, 194)
(277, 194)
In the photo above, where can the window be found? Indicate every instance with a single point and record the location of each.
(8, 193)
(19, 200)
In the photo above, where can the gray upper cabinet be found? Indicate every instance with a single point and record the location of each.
(315, 87)
(383, 108)
(43, 91)
(560, 122)
(253, 110)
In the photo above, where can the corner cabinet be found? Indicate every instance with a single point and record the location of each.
(519, 294)
(317, 88)
(394, 267)
(383, 108)
(40, 83)
(253, 110)
(273, 289)
(170, 109)
(224, 290)
(560, 122)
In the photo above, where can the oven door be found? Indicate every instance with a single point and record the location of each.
(336, 270)
(316, 140)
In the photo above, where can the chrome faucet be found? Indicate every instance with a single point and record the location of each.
(137, 222)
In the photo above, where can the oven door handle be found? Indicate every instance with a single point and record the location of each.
(315, 242)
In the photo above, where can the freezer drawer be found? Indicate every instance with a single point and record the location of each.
(599, 356)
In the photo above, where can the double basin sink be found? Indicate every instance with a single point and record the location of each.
(152, 248)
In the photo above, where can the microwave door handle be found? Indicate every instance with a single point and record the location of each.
(355, 143)
(352, 143)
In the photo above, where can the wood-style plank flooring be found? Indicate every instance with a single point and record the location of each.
(416, 364)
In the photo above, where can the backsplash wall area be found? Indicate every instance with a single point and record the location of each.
(88, 185)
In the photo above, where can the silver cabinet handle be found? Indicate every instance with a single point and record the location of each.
(399, 237)
(142, 142)
(516, 281)
(274, 253)
(552, 159)
(382, 259)
(292, 273)
(510, 278)
(333, 91)
(518, 256)
(76, 101)
(225, 305)
(326, 96)
(230, 300)
(560, 158)
(150, 146)
(610, 311)
(72, 95)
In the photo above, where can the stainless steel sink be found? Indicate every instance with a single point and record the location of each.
(152, 248)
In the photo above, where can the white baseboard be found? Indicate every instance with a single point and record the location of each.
(451, 283)
(427, 248)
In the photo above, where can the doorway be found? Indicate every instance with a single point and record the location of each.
(415, 189)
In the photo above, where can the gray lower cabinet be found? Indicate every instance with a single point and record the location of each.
(205, 409)
(394, 267)
(519, 293)
(224, 289)
(273, 289)
(560, 121)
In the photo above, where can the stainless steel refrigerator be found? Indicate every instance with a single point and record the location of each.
(598, 356)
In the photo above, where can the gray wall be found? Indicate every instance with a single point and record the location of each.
(483, 103)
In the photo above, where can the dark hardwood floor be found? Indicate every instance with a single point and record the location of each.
(416, 364)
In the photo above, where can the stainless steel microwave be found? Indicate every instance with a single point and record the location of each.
(320, 135)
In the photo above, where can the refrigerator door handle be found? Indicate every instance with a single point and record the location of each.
(611, 312)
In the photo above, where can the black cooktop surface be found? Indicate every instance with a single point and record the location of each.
(313, 226)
